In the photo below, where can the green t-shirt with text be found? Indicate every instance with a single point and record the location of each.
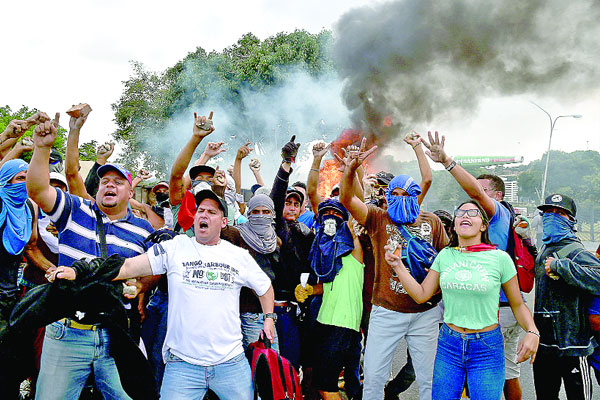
(470, 284)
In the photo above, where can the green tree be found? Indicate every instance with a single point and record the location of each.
(87, 151)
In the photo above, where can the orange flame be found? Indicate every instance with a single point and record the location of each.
(329, 176)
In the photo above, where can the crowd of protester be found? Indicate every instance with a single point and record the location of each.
(104, 296)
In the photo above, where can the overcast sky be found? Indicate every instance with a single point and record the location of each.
(65, 52)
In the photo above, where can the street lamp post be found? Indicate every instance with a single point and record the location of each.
(552, 125)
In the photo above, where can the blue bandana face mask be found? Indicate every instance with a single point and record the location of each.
(556, 228)
(403, 209)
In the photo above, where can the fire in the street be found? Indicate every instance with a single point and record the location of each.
(329, 176)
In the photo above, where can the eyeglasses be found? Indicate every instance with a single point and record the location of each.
(473, 212)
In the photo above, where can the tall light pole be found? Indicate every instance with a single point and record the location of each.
(552, 125)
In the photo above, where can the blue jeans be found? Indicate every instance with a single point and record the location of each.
(476, 357)
(154, 331)
(230, 380)
(288, 331)
(252, 324)
(69, 356)
(386, 329)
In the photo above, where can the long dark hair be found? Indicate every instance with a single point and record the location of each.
(484, 217)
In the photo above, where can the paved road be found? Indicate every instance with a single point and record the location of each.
(526, 372)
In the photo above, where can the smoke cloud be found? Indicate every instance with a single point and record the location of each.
(419, 60)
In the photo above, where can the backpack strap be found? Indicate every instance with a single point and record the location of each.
(282, 375)
(293, 380)
(101, 233)
(563, 252)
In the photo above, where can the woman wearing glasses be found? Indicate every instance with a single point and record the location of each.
(470, 272)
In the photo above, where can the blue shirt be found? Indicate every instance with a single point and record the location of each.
(498, 232)
(307, 218)
(75, 220)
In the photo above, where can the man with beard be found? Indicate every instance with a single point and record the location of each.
(567, 279)
(71, 349)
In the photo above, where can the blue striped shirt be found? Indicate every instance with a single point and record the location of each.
(75, 220)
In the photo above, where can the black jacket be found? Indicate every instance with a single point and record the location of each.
(561, 305)
(296, 240)
(94, 292)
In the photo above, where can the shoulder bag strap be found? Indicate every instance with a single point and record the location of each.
(101, 234)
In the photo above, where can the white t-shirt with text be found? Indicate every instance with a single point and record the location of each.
(203, 323)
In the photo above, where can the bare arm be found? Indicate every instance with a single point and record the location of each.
(319, 150)
(32, 252)
(135, 267)
(75, 181)
(38, 176)
(529, 343)
(255, 168)
(237, 169)
(267, 305)
(176, 183)
(419, 292)
(414, 141)
(17, 151)
(467, 181)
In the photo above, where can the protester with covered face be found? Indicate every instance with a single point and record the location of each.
(258, 236)
(68, 355)
(296, 241)
(203, 348)
(18, 231)
(395, 315)
(567, 279)
(336, 260)
(469, 272)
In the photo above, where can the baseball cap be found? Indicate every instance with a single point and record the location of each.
(209, 194)
(114, 167)
(55, 156)
(201, 168)
(159, 185)
(384, 178)
(55, 176)
(294, 192)
(560, 201)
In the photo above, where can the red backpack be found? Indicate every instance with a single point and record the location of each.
(273, 376)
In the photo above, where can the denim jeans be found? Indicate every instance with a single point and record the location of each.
(69, 356)
(154, 331)
(230, 380)
(288, 331)
(477, 358)
(252, 324)
(386, 329)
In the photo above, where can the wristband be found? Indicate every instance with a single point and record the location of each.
(452, 165)
(534, 333)
(415, 146)
(315, 169)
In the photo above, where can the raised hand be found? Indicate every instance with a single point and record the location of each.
(37, 119)
(214, 149)
(219, 178)
(413, 138)
(75, 124)
(290, 150)
(104, 151)
(203, 126)
(255, 165)
(24, 145)
(354, 159)
(320, 149)
(44, 135)
(243, 151)
(435, 148)
(143, 174)
(16, 128)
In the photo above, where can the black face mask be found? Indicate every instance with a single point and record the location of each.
(162, 197)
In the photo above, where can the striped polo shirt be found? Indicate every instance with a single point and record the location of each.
(75, 220)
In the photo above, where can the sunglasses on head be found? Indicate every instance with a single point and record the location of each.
(473, 212)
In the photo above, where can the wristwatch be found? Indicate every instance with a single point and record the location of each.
(272, 315)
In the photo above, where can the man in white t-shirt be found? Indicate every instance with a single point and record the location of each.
(203, 346)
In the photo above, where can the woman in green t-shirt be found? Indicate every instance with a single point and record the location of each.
(470, 272)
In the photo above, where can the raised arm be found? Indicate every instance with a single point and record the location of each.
(92, 181)
(255, 168)
(414, 140)
(420, 292)
(465, 180)
(282, 179)
(76, 184)
(32, 252)
(38, 175)
(319, 150)
(202, 128)
(242, 153)
(23, 146)
(353, 204)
